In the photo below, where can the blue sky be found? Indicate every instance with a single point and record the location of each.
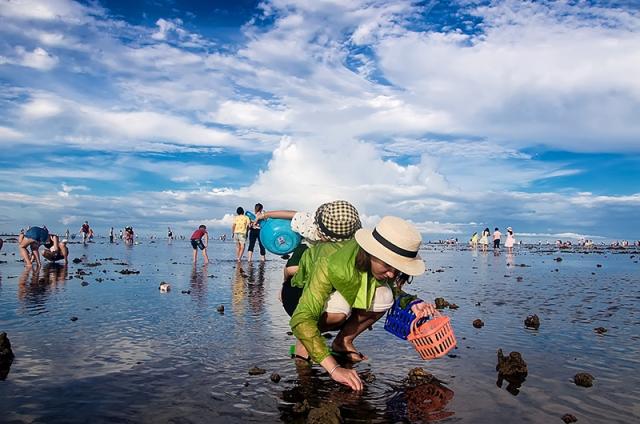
(455, 115)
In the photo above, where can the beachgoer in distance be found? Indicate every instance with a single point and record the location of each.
(169, 233)
(121, 235)
(239, 230)
(254, 235)
(1, 243)
(84, 230)
(510, 241)
(484, 240)
(111, 235)
(496, 238)
(473, 242)
(349, 289)
(197, 242)
(32, 239)
(128, 234)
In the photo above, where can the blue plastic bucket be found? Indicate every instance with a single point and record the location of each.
(277, 236)
(250, 215)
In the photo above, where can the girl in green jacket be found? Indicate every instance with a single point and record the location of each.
(349, 287)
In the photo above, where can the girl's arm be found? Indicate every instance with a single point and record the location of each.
(282, 214)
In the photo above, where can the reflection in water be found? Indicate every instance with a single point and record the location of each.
(198, 283)
(238, 289)
(509, 259)
(314, 389)
(515, 382)
(256, 287)
(424, 402)
(35, 284)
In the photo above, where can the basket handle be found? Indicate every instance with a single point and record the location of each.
(431, 309)
(419, 319)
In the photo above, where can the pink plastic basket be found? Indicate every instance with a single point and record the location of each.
(434, 338)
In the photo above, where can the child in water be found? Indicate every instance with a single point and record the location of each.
(197, 242)
(239, 230)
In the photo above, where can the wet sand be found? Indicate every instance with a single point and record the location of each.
(135, 354)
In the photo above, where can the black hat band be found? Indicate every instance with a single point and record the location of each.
(395, 249)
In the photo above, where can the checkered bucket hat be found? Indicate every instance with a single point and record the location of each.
(337, 220)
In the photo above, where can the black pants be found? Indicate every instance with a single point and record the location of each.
(254, 234)
(496, 244)
(290, 297)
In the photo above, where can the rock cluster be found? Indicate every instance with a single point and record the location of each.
(532, 321)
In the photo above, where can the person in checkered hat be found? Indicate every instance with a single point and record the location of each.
(348, 285)
(335, 222)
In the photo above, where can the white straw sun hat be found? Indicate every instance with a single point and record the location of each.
(394, 241)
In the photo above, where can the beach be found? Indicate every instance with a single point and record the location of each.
(134, 354)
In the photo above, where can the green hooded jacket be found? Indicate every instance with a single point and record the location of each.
(323, 269)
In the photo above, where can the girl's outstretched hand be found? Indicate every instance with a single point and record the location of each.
(422, 309)
(348, 378)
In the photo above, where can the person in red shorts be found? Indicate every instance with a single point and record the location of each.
(197, 242)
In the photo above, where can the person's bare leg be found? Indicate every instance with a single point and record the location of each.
(359, 321)
(22, 248)
(249, 255)
(195, 255)
(205, 256)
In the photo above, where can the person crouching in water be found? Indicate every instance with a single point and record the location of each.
(32, 239)
(196, 242)
(55, 250)
(352, 288)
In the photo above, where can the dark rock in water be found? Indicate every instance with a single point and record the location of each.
(568, 418)
(99, 280)
(600, 330)
(327, 335)
(186, 291)
(513, 369)
(6, 356)
(478, 323)
(599, 265)
(301, 407)
(74, 318)
(420, 376)
(128, 272)
(93, 264)
(558, 259)
(519, 279)
(512, 364)
(84, 284)
(328, 413)
(453, 306)
(478, 303)
(6, 353)
(367, 376)
(532, 321)
(256, 371)
(583, 379)
(220, 309)
(441, 303)
(289, 333)
(275, 377)
(76, 260)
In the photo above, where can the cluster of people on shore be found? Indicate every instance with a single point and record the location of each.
(483, 239)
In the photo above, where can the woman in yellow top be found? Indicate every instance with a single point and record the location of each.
(350, 289)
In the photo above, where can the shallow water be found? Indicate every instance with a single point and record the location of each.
(137, 355)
